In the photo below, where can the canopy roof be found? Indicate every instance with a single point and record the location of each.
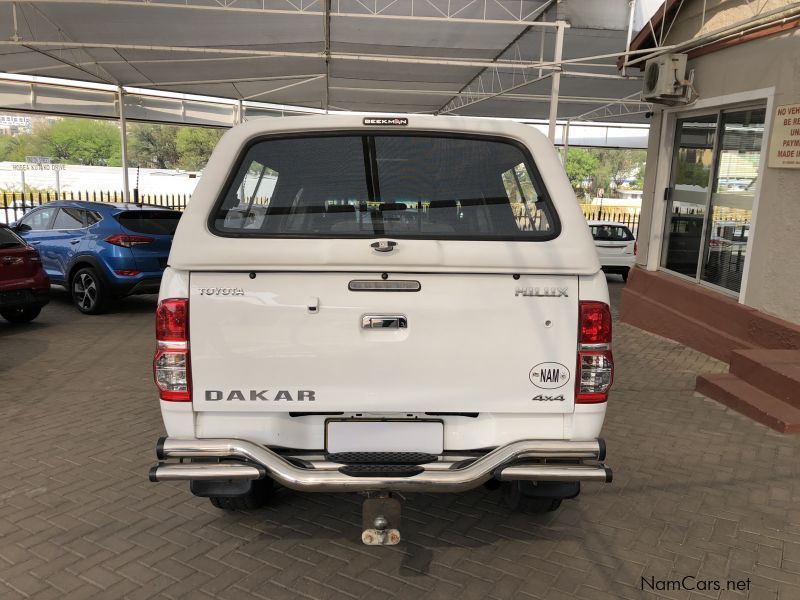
(471, 57)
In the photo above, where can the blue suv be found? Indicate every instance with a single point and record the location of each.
(98, 251)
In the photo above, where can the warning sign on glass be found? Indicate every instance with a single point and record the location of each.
(784, 147)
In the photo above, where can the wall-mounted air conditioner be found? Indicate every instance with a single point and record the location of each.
(665, 80)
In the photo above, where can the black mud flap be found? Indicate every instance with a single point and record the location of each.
(227, 488)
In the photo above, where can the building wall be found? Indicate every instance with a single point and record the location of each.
(699, 18)
(773, 278)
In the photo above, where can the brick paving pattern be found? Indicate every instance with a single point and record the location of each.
(698, 490)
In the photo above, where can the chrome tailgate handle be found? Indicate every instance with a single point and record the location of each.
(384, 322)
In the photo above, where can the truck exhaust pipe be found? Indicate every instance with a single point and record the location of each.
(206, 471)
(600, 473)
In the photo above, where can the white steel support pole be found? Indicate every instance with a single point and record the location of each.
(123, 131)
(327, 35)
(15, 37)
(631, 11)
(555, 81)
(565, 142)
(240, 109)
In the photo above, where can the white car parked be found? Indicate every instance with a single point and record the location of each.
(616, 246)
(412, 305)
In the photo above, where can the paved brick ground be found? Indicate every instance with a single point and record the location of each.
(699, 491)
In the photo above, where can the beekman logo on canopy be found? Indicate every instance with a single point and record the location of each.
(390, 121)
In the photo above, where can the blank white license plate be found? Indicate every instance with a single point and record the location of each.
(385, 436)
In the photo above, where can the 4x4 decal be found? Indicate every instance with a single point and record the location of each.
(541, 398)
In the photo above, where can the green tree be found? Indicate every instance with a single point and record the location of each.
(691, 173)
(614, 166)
(152, 146)
(15, 148)
(638, 183)
(580, 167)
(194, 146)
(79, 141)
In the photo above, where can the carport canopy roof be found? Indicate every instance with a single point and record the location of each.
(472, 57)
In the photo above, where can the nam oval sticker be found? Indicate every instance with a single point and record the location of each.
(549, 375)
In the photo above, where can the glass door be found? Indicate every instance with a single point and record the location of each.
(690, 181)
(733, 191)
(712, 187)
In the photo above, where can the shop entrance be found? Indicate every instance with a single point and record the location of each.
(712, 187)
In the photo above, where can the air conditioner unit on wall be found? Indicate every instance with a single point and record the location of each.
(665, 80)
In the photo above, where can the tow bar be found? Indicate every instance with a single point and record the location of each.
(380, 519)
(381, 476)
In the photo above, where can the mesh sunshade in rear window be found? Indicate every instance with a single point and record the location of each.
(405, 186)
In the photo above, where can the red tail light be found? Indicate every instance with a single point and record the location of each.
(172, 320)
(172, 369)
(595, 323)
(635, 248)
(595, 367)
(128, 241)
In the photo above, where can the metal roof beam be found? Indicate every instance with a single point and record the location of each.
(487, 96)
(457, 101)
(385, 58)
(449, 15)
(285, 87)
(231, 80)
(627, 106)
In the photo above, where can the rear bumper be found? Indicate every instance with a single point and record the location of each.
(617, 263)
(144, 283)
(23, 298)
(520, 460)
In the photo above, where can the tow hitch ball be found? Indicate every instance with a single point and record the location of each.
(380, 519)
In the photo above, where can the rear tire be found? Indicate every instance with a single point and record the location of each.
(625, 275)
(89, 291)
(25, 314)
(259, 495)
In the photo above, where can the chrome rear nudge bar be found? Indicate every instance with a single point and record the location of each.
(505, 463)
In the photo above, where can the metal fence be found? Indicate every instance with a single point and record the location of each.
(15, 204)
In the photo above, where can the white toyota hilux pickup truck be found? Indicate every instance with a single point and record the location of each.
(383, 305)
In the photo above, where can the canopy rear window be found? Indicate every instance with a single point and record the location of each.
(405, 186)
(154, 222)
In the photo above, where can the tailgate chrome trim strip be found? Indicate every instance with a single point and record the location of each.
(372, 285)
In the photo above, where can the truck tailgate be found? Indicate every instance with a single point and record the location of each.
(306, 342)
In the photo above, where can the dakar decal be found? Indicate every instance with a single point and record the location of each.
(261, 395)
(549, 375)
